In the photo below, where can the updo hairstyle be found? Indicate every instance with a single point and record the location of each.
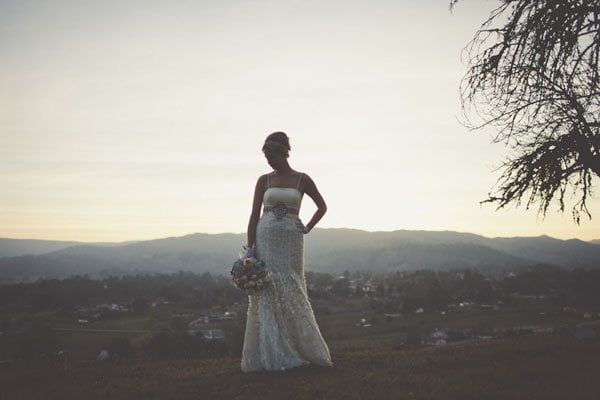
(278, 142)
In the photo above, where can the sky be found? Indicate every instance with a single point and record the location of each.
(134, 120)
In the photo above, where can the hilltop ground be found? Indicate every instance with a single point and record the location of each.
(524, 367)
(537, 345)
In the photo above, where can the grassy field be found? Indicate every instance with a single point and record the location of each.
(528, 367)
(374, 361)
(522, 347)
(341, 327)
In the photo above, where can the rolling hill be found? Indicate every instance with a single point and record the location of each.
(327, 250)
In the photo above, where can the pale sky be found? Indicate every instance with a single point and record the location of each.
(132, 120)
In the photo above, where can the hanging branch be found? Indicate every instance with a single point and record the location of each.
(533, 75)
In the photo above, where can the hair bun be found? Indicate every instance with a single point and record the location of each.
(278, 141)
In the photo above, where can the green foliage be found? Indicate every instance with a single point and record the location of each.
(28, 322)
(399, 291)
(136, 291)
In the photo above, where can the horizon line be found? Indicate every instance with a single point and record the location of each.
(328, 228)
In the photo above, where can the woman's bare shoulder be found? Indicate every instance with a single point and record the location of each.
(306, 181)
(262, 181)
(304, 177)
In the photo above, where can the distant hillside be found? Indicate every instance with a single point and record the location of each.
(21, 247)
(571, 253)
(198, 253)
(327, 250)
(595, 241)
(336, 250)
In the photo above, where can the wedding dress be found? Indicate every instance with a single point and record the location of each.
(281, 330)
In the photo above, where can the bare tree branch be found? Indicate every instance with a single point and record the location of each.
(533, 74)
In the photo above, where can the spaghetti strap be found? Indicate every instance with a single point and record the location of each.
(298, 184)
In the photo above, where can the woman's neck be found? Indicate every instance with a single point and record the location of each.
(284, 170)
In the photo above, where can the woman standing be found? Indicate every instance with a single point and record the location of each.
(281, 330)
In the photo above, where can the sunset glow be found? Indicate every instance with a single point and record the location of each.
(131, 120)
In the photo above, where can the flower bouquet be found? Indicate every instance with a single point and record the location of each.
(249, 274)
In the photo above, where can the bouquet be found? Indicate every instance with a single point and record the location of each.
(249, 274)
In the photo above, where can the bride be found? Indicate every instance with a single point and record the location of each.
(281, 330)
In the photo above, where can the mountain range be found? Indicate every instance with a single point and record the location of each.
(327, 250)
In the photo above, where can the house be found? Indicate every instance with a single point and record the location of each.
(392, 315)
(437, 338)
(204, 319)
(211, 334)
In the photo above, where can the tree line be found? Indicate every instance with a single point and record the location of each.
(137, 292)
(25, 336)
(407, 291)
(404, 290)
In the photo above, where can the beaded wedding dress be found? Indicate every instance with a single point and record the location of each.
(281, 330)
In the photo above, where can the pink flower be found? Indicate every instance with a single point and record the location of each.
(243, 279)
(248, 263)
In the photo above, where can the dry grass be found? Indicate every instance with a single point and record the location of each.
(532, 367)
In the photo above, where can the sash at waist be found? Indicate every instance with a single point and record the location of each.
(280, 210)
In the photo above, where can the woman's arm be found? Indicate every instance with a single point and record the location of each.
(259, 191)
(310, 189)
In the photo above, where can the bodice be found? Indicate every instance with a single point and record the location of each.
(291, 197)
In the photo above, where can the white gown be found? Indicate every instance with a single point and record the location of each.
(281, 330)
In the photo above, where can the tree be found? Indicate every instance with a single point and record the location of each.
(533, 75)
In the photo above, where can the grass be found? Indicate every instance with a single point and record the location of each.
(370, 362)
(530, 367)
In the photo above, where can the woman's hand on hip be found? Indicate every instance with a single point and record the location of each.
(301, 227)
